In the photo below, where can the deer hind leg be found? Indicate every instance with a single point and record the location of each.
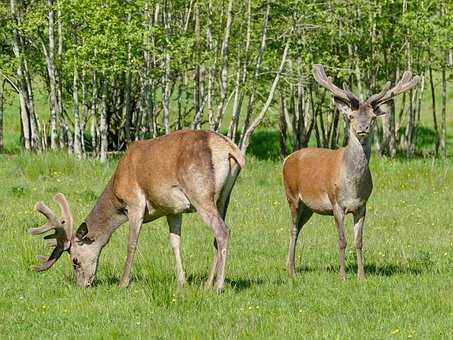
(135, 223)
(300, 215)
(359, 219)
(222, 204)
(212, 273)
(174, 223)
(212, 217)
(338, 214)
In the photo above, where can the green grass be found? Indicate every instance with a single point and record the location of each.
(408, 254)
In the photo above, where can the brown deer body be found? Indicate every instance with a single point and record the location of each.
(337, 182)
(179, 173)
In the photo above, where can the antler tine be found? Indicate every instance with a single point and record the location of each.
(379, 95)
(344, 94)
(320, 76)
(66, 211)
(405, 84)
(47, 263)
(52, 223)
(60, 240)
(351, 96)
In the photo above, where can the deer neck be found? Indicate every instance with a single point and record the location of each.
(356, 156)
(105, 217)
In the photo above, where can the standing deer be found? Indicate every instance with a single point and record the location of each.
(166, 176)
(338, 182)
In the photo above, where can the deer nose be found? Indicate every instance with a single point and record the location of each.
(365, 130)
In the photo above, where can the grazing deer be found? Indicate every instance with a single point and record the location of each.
(166, 176)
(338, 182)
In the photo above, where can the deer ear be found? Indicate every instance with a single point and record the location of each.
(383, 108)
(82, 231)
(343, 107)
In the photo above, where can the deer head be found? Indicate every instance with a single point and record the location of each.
(83, 252)
(361, 115)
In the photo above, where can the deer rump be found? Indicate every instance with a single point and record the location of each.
(175, 173)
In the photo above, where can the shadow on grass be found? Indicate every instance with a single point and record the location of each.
(385, 270)
(195, 280)
(237, 284)
(108, 281)
(114, 280)
(305, 269)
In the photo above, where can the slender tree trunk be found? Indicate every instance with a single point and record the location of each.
(224, 71)
(23, 94)
(241, 79)
(166, 78)
(251, 102)
(166, 96)
(389, 142)
(212, 67)
(75, 110)
(103, 121)
(244, 143)
(94, 120)
(51, 70)
(301, 119)
(283, 127)
(2, 86)
(334, 129)
(147, 83)
(85, 109)
(443, 118)
(127, 89)
(198, 68)
(59, 76)
(34, 127)
(433, 101)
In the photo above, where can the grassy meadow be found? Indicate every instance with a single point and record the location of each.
(408, 246)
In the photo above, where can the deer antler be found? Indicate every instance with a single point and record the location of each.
(405, 84)
(61, 239)
(345, 94)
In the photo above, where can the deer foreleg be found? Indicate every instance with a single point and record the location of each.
(359, 219)
(338, 213)
(135, 224)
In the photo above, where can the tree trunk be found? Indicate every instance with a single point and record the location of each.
(59, 76)
(433, 101)
(2, 86)
(212, 68)
(244, 143)
(166, 78)
(94, 120)
(75, 109)
(251, 102)
(23, 94)
(224, 71)
(283, 127)
(389, 142)
(103, 122)
(241, 80)
(443, 118)
(51, 70)
(34, 128)
(85, 109)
